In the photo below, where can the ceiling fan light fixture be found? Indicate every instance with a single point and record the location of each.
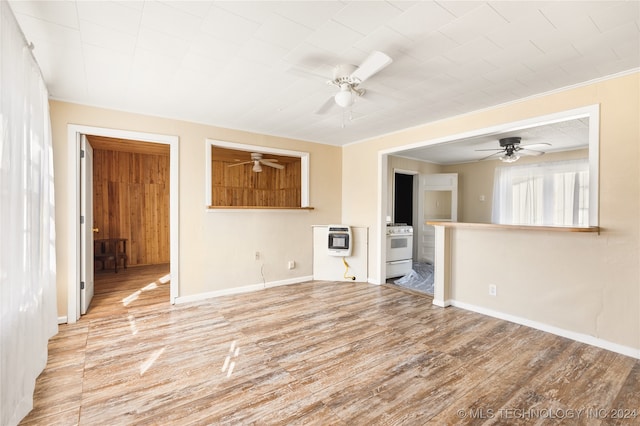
(256, 166)
(344, 97)
(510, 158)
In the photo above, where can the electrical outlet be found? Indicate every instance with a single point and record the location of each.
(493, 290)
(291, 264)
(257, 255)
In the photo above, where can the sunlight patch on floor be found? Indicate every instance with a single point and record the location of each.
(229, 364)
(151, 286)
(149, 362)
(132, 325)
(131, 298)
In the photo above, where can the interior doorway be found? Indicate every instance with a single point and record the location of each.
(109, 140)
(130, 217)
(403, 208)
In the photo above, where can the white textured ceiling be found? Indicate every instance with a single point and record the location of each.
(566, 135)
(262, 66)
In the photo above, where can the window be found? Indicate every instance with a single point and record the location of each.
(552, 194)
(248, 176)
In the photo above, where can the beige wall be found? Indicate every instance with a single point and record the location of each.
(579, 282)
(216, 249)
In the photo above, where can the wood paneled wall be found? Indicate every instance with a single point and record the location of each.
(241, 186)
(131, 200)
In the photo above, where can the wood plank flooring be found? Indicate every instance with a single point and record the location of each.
(318, 353)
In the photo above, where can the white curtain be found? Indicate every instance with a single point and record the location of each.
(549, 193)
(27, 238)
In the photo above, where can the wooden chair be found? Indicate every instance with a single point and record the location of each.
(110, 250)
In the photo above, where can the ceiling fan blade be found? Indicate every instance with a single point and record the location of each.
(527, 151)
(270, 164)
(489, 156)
(374, 63)
(491, 149)
(535, 145)
(239, 164)
(326, 106)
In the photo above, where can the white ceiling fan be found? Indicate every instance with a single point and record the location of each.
(510, 149)
(258, 162)
(348, 77)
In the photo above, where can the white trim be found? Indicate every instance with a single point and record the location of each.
(304, 166)
(393, 186)
(240, 290)
(62, 320)
(74, 132)
(265, 211)
(442, 303)
(383, 196)
(578, 337)
(591, 111)
(218, 293)
(289, 281)
(405, 172)
(594, 165)
(73, 231)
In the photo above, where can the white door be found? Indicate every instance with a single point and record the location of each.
(86, 225)
(437, 201)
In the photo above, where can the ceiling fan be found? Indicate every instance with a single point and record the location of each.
(510, 149)
(258, 162)
(348, 77)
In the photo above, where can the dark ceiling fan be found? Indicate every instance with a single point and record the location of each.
(510, 149)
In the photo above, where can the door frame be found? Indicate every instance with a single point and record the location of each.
(86, 225)
(74, 133)
(414, 205)
(414, 190)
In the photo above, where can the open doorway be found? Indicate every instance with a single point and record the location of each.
(403, 203)
(130, 222)
(131, 210)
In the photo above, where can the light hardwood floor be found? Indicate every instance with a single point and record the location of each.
(325, 353)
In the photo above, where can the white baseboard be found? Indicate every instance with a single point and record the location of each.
(578, 337)
(442, 303)
(296, 280)
(240, 290)
(62, 320)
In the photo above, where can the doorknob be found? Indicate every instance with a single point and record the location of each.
(96, 230)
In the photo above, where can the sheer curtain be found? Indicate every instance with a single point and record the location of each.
(27, 238)
(552, 193)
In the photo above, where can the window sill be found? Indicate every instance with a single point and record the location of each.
(244, 208)
(515, 227)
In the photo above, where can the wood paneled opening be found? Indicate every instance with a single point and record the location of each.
(131, 197)
(239, 180)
